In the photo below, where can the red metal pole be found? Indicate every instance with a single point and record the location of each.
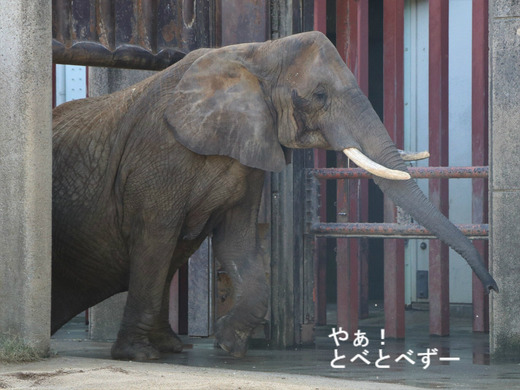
(320, 16)
(438, 146)
(393, 80)
(320, 161)
(479, 113)
(473, 172)
(53, 85)
(352, 45)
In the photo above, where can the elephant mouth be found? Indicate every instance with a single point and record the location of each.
(374, 168)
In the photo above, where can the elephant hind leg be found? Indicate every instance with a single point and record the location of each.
(162, 336)
(138, 337)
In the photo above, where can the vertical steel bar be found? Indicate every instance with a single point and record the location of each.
(347, 297)
(360, 197)
(320, 161)
(479, 113)
(438, 146)
(183, 299)
(393, 106)
(320, 16)
(352, 45)
(53, 85)
(173, 314)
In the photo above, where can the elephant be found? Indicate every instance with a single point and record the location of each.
(142, 176)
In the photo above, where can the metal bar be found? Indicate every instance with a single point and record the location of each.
(393, 106)
(416, 172)
(53, 85)
(479, 114)
(320, 161)
(320, 16)
(359, 193)
(347, 298)
(352, 45)
(439, 144)
(320, 253)
(390, 230)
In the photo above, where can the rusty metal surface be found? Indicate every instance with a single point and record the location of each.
(415, 172)
(393, 119)
(136, 34)
(390, 230)
(252, 25)
(479, 153)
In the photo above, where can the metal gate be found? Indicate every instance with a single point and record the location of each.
(351, 32)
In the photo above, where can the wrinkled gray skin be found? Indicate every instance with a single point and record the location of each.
(142, 176)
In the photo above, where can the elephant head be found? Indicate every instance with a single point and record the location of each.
(249, 101)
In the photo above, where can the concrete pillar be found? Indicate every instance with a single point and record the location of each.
(105, 318)
(25, 170)
(504, 96)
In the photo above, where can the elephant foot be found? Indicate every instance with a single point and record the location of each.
(138, 350)
(165, 340)
(230, 339)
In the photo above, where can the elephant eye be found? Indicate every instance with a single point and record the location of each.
(320, 96)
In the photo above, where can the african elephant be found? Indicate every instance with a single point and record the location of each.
(142, 176)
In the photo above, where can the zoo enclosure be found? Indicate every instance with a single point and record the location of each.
(352, 33)
(162, 32)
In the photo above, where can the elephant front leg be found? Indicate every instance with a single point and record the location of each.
(150, 262)
(235, 245)
(234, 329)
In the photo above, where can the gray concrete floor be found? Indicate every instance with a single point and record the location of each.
(474, 370)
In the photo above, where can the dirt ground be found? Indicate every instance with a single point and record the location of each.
(84, 373)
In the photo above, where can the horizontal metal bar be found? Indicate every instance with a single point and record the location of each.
(415, 172)
(390, 230)
(125, 56)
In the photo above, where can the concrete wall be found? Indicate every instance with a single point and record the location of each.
(504, 105)
(25, 171)
(105, 318)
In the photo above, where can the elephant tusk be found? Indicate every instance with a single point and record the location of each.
(413, 156)
(371, 166)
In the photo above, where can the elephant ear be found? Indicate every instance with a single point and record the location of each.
(218, 108)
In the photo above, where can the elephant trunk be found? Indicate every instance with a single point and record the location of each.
(375, 143)
(410, 198)
(407, 195)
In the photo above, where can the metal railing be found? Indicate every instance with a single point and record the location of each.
(384, 230)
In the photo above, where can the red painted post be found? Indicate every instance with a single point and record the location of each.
(53, 85)
(320, 161)
(393, 112)
(320, 16)
(352, 196)
(479, 113)
(439, 293)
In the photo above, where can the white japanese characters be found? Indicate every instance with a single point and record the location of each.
(383, 361)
